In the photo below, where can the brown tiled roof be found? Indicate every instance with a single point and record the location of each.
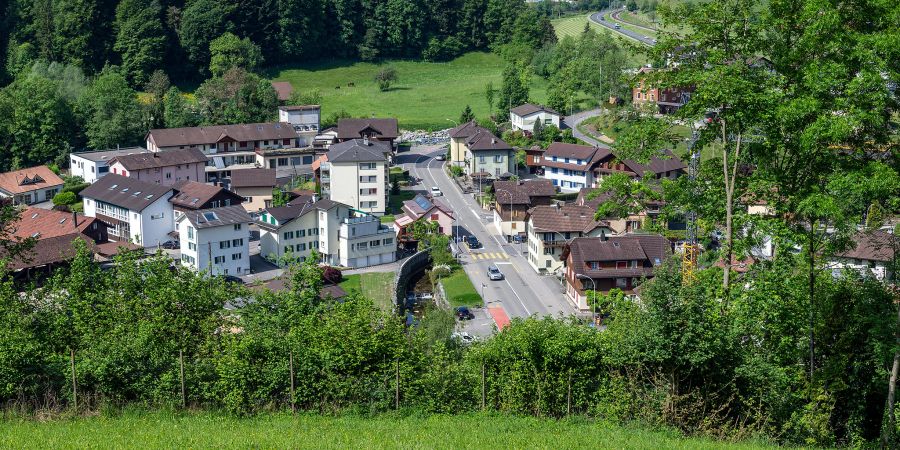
(217, 217)
(192, 194)
(530, 108)
(464, 130)
(27, 180)
(128, 193)
(565, 218)
(522, 191)
(253, 178)
(283, 89)
(657, 165)
(352, 128)
(170, 137)
(874, 245)
(284, 214)
(575, 151)
(485, 140)
(421, 205)
(47, 223)
(150, 160)
(49, 251)
(651, 249)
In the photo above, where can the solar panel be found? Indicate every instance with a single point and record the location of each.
(423, 203)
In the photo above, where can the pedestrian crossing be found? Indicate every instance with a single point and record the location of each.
(490, 255)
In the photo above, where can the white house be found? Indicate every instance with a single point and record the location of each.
(32, 185)
(364, 241)
(305, 119)
(525, 116)
(216, 240)
(92, 165)
(304, 225)
(551, 227)
(355, 173)
(135, 211)
(872, 255)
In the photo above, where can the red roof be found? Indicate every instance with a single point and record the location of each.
(47, 223)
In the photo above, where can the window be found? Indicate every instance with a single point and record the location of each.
(288, 248)
(168, 175)
(566, 161)
(621, 264)
(368, 179)
(367, 166)
(362, 246)
(237, 226)
(224, 244)
(481, 159)
(301, 247)
(190, 233)
(219, 260)
(595, 265)
(237, 256)
(307, 159)
(282, 162)
(554, 170)
(388, 241)
(288, 235)
(434, 217)
(368, 191)
(375, 243)
(237, 242)
(192, 246)
(548, 263)
(286, 142)
(301, 233)
(498, 158)
(622, 283)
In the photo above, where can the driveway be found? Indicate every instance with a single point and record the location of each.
(573, 120)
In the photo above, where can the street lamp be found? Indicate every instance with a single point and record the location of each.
(593, 288)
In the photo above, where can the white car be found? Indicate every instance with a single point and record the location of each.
(463, 337)
(441, 157)
(436, 192)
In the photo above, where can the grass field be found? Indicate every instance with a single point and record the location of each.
(427, 95)
(574, 25)
(460, 290)
(378, 286)
(211, 430)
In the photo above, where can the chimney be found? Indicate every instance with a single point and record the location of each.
(315, 198)
(366, 140)
(603, 237)
(75, 219)
(557, 206)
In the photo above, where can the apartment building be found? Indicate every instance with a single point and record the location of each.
(165, 168)
(513, 199)
(355, 173)
(215, 240)
(91, 165)
(363, 241)
(136, 211)
(550, 228)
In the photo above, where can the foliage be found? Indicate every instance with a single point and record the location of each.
(514, 89)
(202, 21)
(65, 198)
(140, 38)
(228, 51)
(456, 171)
(313, 97)
(467, 115)
(236, 97)
(489, 93)
(279, 197)
(385, 77)
(331, 275)
(623, 196)
(177, 113)
(111, 111)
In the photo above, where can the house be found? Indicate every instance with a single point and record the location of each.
(215, 240)
(136, 211)
(355, 173)
(305, 120)
(283, 90)
(665, 100)
(605, 263)
(668, 166)
(423, 208)
(194, 196)
(255, 186)
(549, 229)
(363, 241)
(288, 161)
(524, 117)
(513, 199)
(227, 147)
(91, 165)
(533, 159)
(872, 255)
(165, 168)
(618, 225)
(458, 137)
(572, 167)
(324, 139)
(31, 185)
(384, 130)
(476, 149)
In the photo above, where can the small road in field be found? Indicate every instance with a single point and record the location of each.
(573, 120)
(598, 18)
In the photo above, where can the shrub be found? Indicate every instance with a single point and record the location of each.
(456, 171)
(65, 198)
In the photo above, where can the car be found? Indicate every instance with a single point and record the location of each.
(618, 27)
(494, 273)
(463, 337)
(472, 242)
(648, 38)
(232, 279)
(171, 245)
(463, 313)
(436, 192)
(441, 157)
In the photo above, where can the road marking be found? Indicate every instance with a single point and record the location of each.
(500, 317)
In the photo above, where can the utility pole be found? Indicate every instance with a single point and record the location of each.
(181, 366)
(74, 384)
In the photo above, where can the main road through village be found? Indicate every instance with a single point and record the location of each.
(523, 292)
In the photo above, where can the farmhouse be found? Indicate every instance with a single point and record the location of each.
(524, 117)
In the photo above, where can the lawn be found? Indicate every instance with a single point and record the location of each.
(574, 25)
(378, 286)
(213, 430)
(395, 201)
(460, 290)
(428, 95)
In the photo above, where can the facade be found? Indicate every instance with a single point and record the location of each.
(605, 263)
(29, 186)
(384, 130)
(572, 167)
(136, 211)
(872, 255)
(305, 119)
(355, 173)
(54, 234)
(550, 228)
(165, 168)
(216, 240)
(664, 100)
(287, 161)
(524, 117)
(364, 241)
(423, 208)
(513, 199)
(534, 159)
(194, 196)
(482, 152)
(92, 165)
(255, 186)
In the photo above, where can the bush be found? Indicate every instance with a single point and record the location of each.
(332, 276)
(65, 198)
(385, 77)
(456, 171)
(443, 50)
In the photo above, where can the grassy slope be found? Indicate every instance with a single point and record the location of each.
(207, 430)
(574, 25)
(377, 286)
(460, 290)
(426, 95)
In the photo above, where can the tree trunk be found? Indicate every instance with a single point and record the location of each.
(887, 433)
(812, 306)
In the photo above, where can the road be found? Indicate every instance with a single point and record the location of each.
(573, 120)
(523, 292)
(597, 18)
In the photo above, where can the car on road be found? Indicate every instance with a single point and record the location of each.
(494, 273)
(464, 313)
(618, 27)
(436, 192)
(441, 157)
(472, 242)
(171, 245)
(463, 337)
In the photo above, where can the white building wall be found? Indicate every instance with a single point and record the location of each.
(346, 183)
(527, 123)
(568, 183)
(365, 243)
(88, 170)
(151, 227)
(226, 248)
(300, 235)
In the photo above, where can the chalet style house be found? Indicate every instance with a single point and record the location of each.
(513, 199)
(32, 185)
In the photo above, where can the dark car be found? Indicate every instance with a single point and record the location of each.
(232, 279)
(463, 313)
(472, 242)
(171, 245)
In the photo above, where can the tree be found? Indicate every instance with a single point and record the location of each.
(623, 197)
(385, 77)
(236, 97)
(65, 198)
(157, 86)
(228, 51)
(202, 21)
(36, 124)
(514, 90)
(176, 111)
(467, 115)
(313, 97)
(279, 197)
(489, 93)
(140, 38)
(632, 5)
(111, 111)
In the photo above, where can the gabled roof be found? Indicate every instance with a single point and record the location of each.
(521, 192)
(125, 192)
(192, 194)
(574, 151)
(170, 137)
(564, 218)
(253, 178)
(358, 150)
(106, 155)
(873, 245)
(285, 214)
(421, 205)
(42, 223)
(150, 160)
(464, 130)
(283, 89)
(530, 108)
(50, 251)
(657, 165)
(641, 247)
(483, 139)
(353, 128)
(27, 180)
(216, 217)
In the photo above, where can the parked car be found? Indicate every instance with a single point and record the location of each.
(232, 279)
(494, 273)
(171, 245)
(472, 242)
(436, 192)
(463, 313)
(441, 157)
(618, 27)
(463, 337)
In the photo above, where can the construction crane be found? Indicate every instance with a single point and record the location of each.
(691, 249)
